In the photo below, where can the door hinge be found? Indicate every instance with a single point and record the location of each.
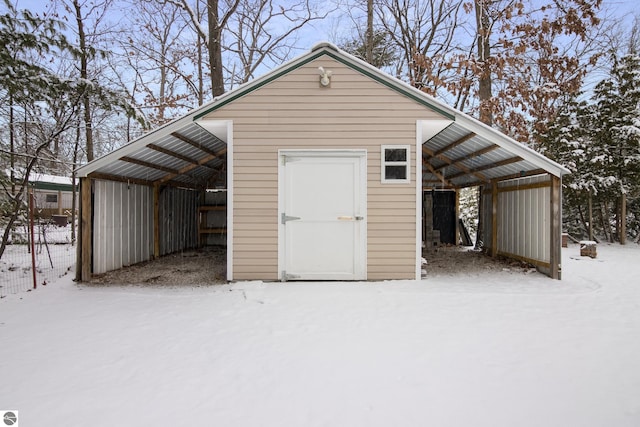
(286, 276)
(284, 218)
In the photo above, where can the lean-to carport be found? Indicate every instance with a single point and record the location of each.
(141, 201)
(521, 190)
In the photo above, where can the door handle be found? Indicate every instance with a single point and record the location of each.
(350, 218)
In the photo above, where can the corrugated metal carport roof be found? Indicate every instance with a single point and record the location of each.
(184, 153)
(459, 157)
(180, 153)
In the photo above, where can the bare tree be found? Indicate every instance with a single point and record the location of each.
(424, 34)
(157, 53)
(528, 56)
(87, 16)
(211, 33)
(261, 31)
(250, 32)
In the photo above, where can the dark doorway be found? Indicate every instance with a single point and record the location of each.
(444, 215)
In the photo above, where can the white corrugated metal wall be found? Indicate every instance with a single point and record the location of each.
(122, 225)
(524, 218)
(178, 219)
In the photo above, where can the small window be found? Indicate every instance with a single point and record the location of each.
(395, 163)
(52, 198)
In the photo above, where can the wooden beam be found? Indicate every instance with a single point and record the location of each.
(487, 167)
(457, 217)
(433, 171)
(520, 175)
(118, 178)
(185, 169)
(198, 145)
(156, 221)
(439, 186)
(555, 228)
(174, 154)
(86, 229)
(147, 164)
(531, 261)
(138, 181)
(454, 144)
(469, 156)
(470, 184)
(445, 159)
(494, 219)
(525, 187)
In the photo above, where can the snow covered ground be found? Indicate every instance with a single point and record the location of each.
(500, 348)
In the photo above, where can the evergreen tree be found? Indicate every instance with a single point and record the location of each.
(616, 128)
(382, 50)
(567, 141)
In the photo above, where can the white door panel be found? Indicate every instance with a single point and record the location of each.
(323, 196)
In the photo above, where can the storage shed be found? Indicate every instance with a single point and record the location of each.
(324, 161)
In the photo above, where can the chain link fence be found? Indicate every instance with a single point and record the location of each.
(53, 255)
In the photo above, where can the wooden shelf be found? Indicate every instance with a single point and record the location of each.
(212, 230)
(212, 208)
(203, 230)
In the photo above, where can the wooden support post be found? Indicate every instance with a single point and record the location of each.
(156, 221)
(494, 219)
(85, 248)
(457, 217)
(555, 225)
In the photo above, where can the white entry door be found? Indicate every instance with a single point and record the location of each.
(322, 213)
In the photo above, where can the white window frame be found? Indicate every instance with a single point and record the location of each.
(384, 163)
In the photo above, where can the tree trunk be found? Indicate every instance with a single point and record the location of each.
(12, 147)
(623, 219)
(484, 90)
(585, 227)
(215, 48)
(590, 216)
(200, 74)
(74, 195)
(607, 221)
(484, 53)
(602, 222)
(369, 37)
(86, 101)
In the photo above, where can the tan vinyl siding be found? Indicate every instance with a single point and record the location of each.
(294, 112)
